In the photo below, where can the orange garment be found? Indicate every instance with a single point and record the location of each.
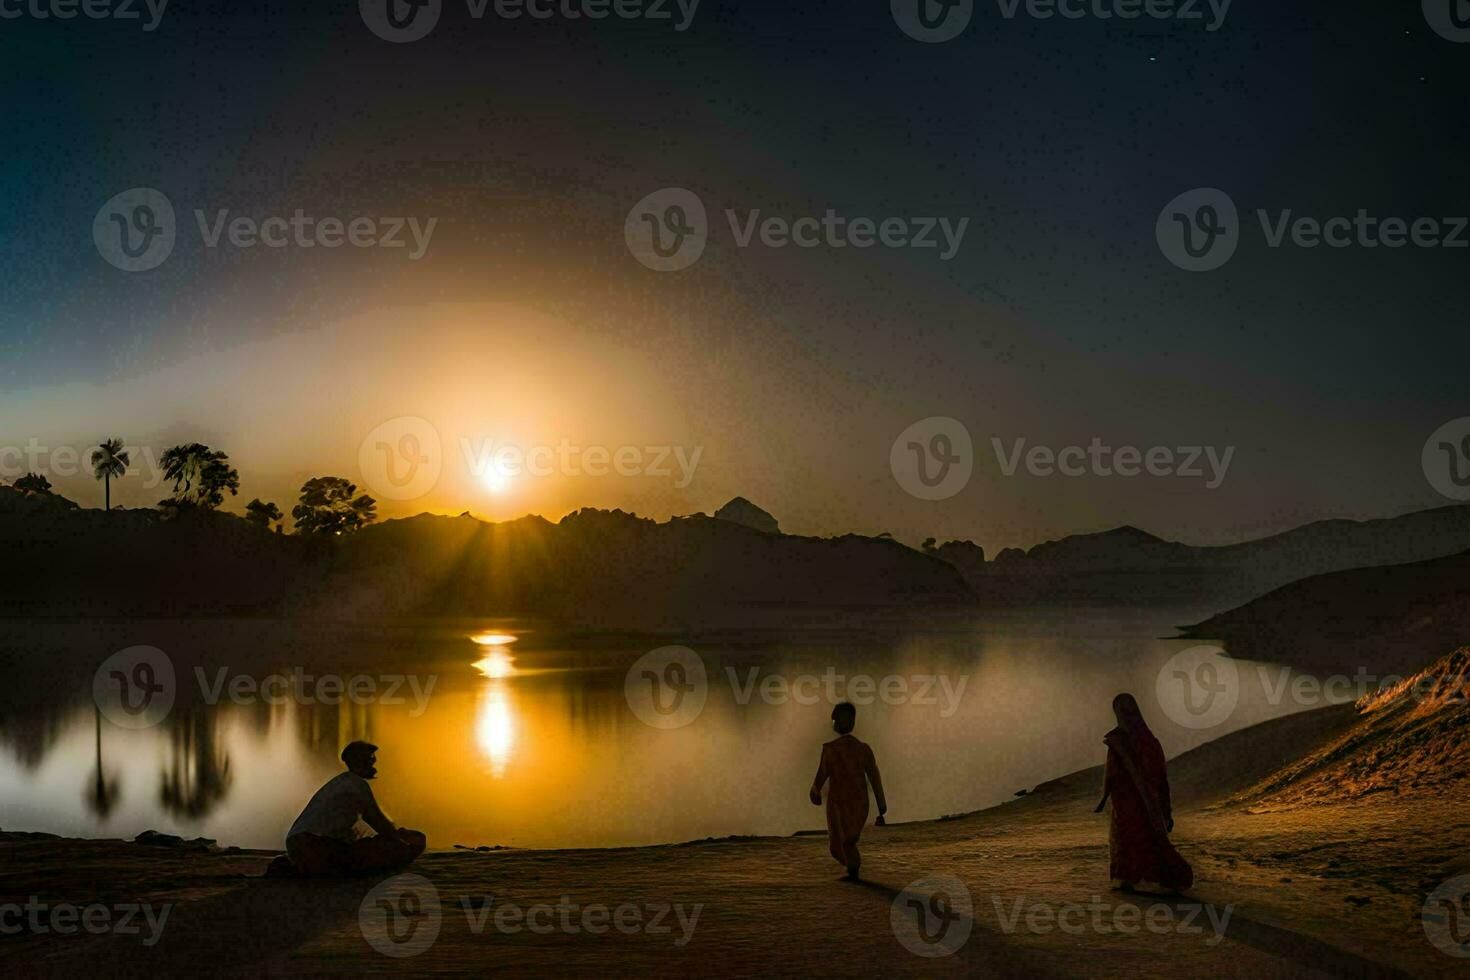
(849, 764)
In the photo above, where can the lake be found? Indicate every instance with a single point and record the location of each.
(510, 733)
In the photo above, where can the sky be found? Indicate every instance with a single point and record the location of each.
(501, 170)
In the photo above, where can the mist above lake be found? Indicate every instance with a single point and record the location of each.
(527, 738)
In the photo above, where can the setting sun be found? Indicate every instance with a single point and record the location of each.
(495, 479)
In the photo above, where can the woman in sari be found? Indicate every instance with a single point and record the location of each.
(1136, 781)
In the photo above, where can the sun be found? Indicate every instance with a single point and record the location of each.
(496, 479)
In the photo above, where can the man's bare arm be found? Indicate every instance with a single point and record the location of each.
(374, 817)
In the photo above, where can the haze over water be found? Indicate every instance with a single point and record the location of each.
(532, 743)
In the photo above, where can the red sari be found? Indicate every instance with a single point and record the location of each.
(1138, 835)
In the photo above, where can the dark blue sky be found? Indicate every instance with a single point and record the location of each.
(1058, 320)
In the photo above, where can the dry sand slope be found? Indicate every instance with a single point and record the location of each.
(1314, 850)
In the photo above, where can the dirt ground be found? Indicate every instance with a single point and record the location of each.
(1017, 890)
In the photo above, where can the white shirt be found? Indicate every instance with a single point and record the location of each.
(334, 809)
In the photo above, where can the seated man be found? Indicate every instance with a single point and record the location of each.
(323, 842)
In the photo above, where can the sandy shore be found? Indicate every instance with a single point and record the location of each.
(1334, 890)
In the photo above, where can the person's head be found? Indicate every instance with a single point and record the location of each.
(844, 717)
(1125, 709)
(362, 758)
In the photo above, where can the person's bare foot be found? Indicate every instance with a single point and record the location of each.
(852, 874)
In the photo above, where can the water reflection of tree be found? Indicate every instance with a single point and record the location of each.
(103, 793)
(325, 728)
(31, 733)
(197, 775)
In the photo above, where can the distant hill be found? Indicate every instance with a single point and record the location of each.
(1388, 619)
(604, 569)
(16, 501)
(83, 562)
(610, 569)
(1132, 566)
(742, 511)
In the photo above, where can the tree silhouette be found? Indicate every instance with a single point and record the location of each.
(329, 505)
(263, 513)
(109, 461)
(33, 482)
(200, 476)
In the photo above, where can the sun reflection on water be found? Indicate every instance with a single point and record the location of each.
(496, 665)
(495, 727)
(495, 719)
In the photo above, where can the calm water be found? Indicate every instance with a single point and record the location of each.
(533, 743)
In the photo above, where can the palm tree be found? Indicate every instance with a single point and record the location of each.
(109, 460)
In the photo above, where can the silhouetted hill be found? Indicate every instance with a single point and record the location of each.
(967, 556)
(16, 501)
(1390, 619)
(601, 568)
(1125, 545)
(742, 511)
(95, 563)
(614, 569)
(617, 570)
(1132, 566)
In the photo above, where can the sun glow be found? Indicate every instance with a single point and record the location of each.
(496, 479)
(493, 639)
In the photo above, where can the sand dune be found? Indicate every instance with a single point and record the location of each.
(1407, 740)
